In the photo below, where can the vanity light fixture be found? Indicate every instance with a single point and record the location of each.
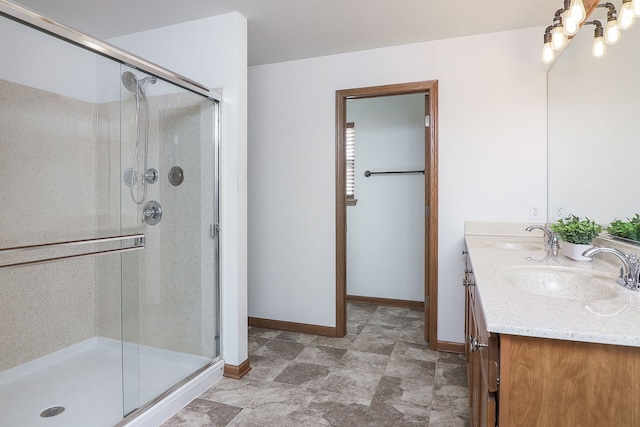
(599, 47)
(612, 31)
(568, 20)
(548, 54)
(558, 37)
(571, 26)
(555, 36)
(627, 14)
(636, 7)
(577, 11)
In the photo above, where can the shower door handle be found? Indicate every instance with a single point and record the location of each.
(138, 242)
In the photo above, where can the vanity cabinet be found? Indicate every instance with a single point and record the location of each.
(482, 358)
(519, 380)
(548, 382)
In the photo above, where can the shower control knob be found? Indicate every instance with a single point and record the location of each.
(151, 175)
(176, 176)
(152, 213)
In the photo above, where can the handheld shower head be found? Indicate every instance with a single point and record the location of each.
(130, 82)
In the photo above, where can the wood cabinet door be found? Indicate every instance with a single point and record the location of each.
(474, 371)
(547, 382)
(480, 367)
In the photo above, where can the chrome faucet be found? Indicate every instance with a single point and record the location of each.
(552, 238)
(630, 271)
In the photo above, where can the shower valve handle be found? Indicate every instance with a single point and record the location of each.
(150, 176)
(152, 213)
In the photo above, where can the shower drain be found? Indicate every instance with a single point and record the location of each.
(52, 412)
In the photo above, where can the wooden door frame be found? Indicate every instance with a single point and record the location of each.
(431, 198)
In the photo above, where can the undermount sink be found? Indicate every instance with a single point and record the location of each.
(565, 283)
(513, 246)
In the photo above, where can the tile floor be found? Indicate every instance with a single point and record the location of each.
(380, 374)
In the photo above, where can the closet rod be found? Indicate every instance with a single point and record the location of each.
(369, 173)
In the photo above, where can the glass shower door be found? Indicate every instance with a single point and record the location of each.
(169, 193)
(90, 329)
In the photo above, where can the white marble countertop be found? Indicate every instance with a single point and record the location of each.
(510, 309)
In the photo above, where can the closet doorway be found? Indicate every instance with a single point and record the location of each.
(428, 89)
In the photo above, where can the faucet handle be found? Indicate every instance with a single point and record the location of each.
(552, 238)
(621, 279)
(632, 280)
(635, 270)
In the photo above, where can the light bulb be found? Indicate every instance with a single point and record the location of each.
(636, 7)
(612, 32)
(558, 37)
(599, 47)
(577, 11)
(548, 55)
(571, 27)
(626, 19)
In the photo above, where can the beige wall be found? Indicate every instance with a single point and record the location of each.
(47, 167)
(175, 270)
(108, 321)
(63, 174)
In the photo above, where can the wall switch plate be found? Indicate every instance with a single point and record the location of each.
(559, 211)
(534, 211)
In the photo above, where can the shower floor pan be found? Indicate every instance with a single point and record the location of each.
(85, 379)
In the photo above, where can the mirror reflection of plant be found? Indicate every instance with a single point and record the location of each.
(629, 229)
(574, 230)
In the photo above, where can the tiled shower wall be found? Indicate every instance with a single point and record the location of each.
(167, 300)
(108, 321)
(61, 165)
(176, 270)
(47, 170)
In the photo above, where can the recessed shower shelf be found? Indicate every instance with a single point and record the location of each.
(138, 242)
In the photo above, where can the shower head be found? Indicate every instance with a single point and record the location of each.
(130, 82)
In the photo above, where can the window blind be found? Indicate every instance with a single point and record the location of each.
(350, 152)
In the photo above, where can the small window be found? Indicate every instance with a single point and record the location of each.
(350, 146)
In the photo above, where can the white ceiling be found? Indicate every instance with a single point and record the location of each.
(282, 30)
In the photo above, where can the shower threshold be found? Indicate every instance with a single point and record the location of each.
(86, 379)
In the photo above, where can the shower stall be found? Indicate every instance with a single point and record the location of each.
(109, 289)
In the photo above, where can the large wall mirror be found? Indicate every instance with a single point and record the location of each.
(594, 129)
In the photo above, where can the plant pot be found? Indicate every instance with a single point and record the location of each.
(574, 251)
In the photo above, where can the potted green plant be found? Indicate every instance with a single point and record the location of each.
(629, 229)
(577, 235)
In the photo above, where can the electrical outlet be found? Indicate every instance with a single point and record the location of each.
(559, 211)
(534, 211)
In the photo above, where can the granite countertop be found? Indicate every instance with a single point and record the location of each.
(501, 264)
